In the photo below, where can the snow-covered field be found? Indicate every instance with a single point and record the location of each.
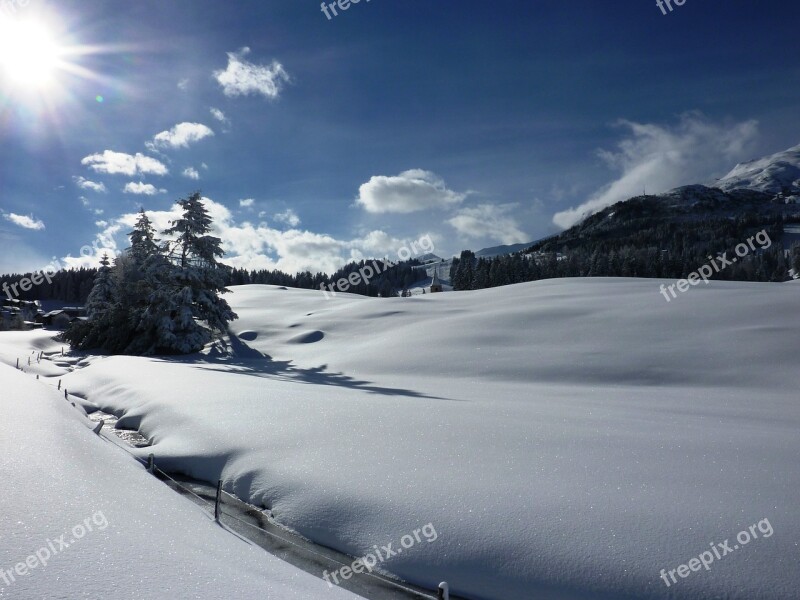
(91, 523)
(566, 439)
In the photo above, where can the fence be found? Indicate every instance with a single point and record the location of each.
(264, 528)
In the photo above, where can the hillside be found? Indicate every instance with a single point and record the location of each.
(773, 174)
(551, 421)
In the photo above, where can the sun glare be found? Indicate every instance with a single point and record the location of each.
(29, 55)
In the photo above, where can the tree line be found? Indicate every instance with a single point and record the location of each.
(661, 250)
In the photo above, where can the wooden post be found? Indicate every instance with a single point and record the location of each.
(444, 591)
(98, 427)
(65, 394)
(17, 363)
(151, 464)
(218, 504)
(59, 384)
(37, 376)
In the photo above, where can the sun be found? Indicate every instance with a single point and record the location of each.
(29, 54)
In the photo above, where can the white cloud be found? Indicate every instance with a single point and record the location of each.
(180, 136)
(85, 184)
(242, 78)
(247, 203)
(104, 243)
(288, 216)
(411, 191)
(660, 158)
(24, 221)
(183, 84)
(489, 221)
(191, 173)
(142, 189)
(219, 116)
(257, 246)
(119, 163)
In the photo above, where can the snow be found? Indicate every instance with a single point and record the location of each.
(145, 541)
(770, 174)
(566, 438)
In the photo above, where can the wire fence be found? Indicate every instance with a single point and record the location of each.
(216, 509)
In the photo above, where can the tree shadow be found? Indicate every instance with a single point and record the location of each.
(239, 358)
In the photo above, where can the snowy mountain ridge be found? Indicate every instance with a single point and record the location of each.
(779, 172)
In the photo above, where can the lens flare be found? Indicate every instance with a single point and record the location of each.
(29, 55)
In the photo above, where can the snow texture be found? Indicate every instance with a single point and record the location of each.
(145, 540)
(568, 439)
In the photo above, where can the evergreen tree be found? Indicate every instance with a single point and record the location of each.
(185, 306)
(143, 239)
(465, 271)
(103, 295)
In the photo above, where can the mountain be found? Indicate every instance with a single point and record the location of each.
(760, 193)
(771, 174)
(502, 250)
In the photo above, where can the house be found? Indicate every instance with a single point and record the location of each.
(19, 314)
(436, 284)
(61, 318)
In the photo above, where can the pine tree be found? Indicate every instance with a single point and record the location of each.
(103, 295)
(465, 271)
(143, 239)
(185, 307)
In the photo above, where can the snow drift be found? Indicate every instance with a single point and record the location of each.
(567, 439)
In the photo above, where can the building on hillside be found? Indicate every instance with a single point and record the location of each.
(28, 308)
(61, 318)
(436, 284)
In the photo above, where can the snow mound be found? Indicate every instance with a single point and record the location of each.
(103, 526)
(567, 439)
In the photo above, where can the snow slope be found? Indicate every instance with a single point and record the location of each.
(770, 174)
(59, 479)
(566, 439)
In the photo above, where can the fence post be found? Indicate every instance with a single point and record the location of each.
(17, 363)
(59, 384)
(98, 427)
(218, 503)
(151, 464)
(444, 591)
(65, 394)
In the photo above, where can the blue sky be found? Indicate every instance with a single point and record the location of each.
(319, 140)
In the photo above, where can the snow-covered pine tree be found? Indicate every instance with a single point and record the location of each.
(186, 308)
(143, 239)
(103, 295)
(102, 309)
(133, 268)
